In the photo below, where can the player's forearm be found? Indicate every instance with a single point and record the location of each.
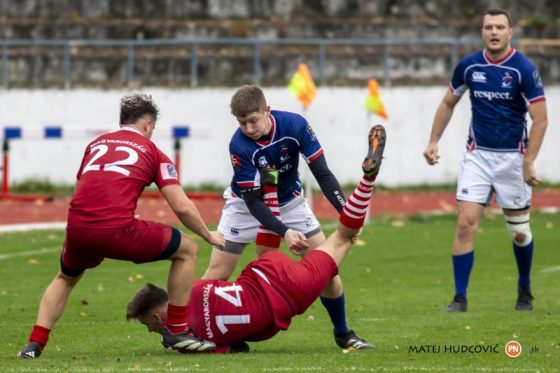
(185, 210)
(328, 183)
(190, 217)
(536, 136)
(262, 213)
(441, 119)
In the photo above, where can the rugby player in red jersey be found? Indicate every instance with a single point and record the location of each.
(272, 289)
(101, 224)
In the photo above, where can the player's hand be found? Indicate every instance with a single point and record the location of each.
(431, 154)
(217, 239)
(530, 173)
(296, 241)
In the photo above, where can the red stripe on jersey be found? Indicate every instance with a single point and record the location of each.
(245, 184)
(315, 155)
(537, 99)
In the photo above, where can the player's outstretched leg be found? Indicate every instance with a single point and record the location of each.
(354, 213)
(355, 209)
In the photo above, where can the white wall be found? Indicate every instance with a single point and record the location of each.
(337, 116)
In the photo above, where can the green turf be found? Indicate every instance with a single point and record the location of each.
(396, 286)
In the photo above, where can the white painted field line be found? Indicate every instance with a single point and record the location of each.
(550, 269)
(42, 250)
(8, 228)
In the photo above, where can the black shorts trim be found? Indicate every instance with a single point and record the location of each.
(528, 207)
(172, 246)
(313, 232)
(70, 272)
(231, 247)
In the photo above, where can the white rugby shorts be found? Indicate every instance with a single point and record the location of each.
(238, 225)
(484, 172)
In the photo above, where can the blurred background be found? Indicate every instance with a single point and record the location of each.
(65, 64)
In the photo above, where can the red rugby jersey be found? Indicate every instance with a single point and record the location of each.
(115, 169)
(252, 308)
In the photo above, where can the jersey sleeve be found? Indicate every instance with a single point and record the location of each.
(458, 84)
(310, 147)
(244, 170)
(82, 164)
(531, 84)
(166, 174)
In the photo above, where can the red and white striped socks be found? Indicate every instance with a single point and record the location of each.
(266, 237)
(354, 212)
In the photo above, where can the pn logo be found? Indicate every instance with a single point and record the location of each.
(513, 349)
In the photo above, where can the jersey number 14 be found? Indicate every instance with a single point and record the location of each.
(232, 295)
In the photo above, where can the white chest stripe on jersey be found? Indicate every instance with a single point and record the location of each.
(258, 272)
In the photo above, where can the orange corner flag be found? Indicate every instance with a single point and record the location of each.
(302, 85)
(373, 102)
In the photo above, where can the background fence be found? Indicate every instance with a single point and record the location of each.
(235, 61)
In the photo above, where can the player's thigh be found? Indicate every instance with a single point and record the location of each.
(222, 264)
(139, 242)
(185, 247)
(512, 192)
(236, 222)
(474, 180)
(469, 213)
(144, 241)
(297, 215)
(309, 277)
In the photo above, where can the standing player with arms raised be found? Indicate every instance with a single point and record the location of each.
(271, 138)
(101, 224)
(504, 85)
(274, 288)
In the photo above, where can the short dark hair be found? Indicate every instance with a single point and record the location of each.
(147, 298)
(135, 105)
(247, 100)
(497, 12)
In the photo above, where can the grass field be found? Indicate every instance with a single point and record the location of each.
(397, 283)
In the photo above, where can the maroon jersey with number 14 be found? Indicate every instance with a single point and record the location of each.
(262, 301)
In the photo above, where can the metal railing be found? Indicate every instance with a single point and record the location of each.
(321, 55)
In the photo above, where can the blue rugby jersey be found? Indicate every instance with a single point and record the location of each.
(500, 93)
(290, 135)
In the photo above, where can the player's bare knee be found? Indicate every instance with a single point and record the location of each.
(466, 225)
(187, 249)
(519, 229)
(68, 280)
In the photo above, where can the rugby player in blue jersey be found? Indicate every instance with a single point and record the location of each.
(499, 158)
(275, 139)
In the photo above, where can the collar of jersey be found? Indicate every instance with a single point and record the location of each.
(272, 132)
(501, 60)
(131, 129)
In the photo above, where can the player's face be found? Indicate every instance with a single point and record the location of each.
(255, 125)
(153, 321)
(496, 34)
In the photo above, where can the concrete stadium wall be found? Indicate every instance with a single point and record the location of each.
(337, 116)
